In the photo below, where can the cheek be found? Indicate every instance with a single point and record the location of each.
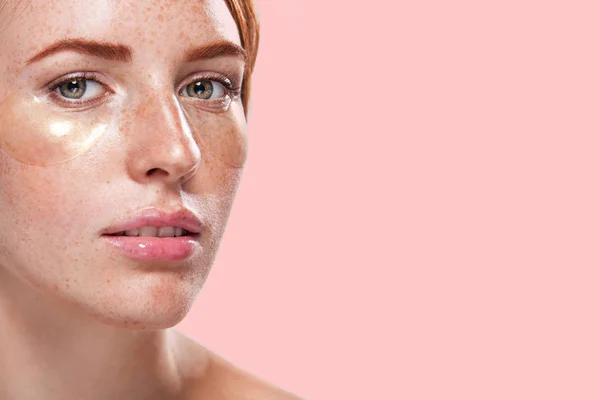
(222, 136)
(228, 146)
(35, 198)
(212, 191)
(223, 143)
(29, 209)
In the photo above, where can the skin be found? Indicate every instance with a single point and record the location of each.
(84, 321)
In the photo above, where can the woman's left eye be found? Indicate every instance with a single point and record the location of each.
(205, 89)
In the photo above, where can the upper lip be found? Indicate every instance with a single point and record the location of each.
(182, 218)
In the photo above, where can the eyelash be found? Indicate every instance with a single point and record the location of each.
(234, 91)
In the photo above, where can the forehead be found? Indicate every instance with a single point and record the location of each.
(142, 24)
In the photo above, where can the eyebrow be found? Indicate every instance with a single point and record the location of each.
(124, 53)
(108, 51)
(218, 49)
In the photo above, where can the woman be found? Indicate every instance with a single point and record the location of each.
(122, 129)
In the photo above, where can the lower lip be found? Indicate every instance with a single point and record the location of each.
(154, 248)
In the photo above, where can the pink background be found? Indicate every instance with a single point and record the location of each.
(420, 214)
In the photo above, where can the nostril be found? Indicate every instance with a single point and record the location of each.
(152, 171)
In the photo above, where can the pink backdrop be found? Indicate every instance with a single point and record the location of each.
(420, 214)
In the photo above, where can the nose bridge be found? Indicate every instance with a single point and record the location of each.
(161, 137)
(161, 115)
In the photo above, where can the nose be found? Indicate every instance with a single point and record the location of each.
(160, 143)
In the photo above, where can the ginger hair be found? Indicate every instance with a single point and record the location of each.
(245, 16)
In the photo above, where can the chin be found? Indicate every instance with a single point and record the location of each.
(158, 301)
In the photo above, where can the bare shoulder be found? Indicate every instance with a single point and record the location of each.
(212, 376)
(240, 385)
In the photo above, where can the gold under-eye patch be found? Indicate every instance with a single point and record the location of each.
(36, 134)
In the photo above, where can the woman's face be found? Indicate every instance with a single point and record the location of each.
(111, 110)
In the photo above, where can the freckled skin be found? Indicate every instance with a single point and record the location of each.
(78, 198)
(74, 306)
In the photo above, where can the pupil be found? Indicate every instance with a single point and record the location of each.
(73, 86)
(199, 88)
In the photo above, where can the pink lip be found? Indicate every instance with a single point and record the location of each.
(158, 218)
(155, 248)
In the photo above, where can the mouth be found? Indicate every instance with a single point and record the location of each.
(153, 222)
(155, 235)
(155, 231)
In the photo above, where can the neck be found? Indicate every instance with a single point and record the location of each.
(50, 350)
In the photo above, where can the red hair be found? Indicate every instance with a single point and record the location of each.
(244, 14)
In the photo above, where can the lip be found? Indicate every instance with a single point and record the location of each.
(156, 248)
(158, 218)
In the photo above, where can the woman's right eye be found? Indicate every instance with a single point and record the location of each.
(78, 89)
